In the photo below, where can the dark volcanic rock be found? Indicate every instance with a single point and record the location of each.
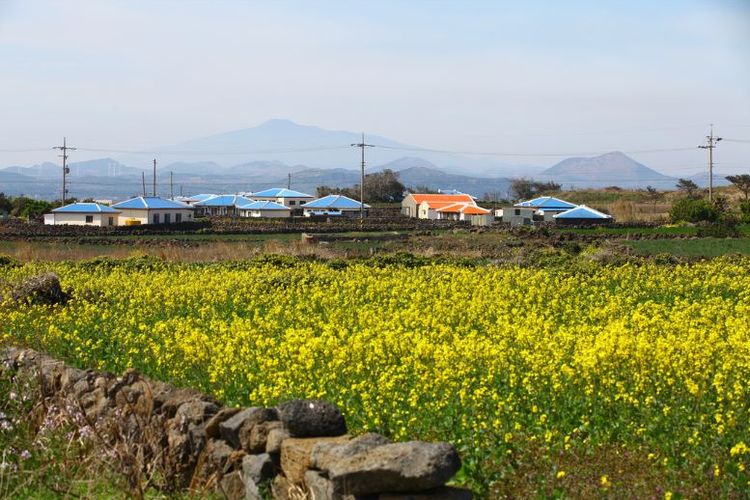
(312, 418)
(42, 289)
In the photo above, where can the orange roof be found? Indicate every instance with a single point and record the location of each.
(441, 198)
(464, 208)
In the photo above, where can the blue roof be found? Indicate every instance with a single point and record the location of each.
(224, 200)
(281, 193)
(87, 208)
(263, 205)
(582, 212)
(548, 202)
(334, 201)
(200, 197)
(149, 202)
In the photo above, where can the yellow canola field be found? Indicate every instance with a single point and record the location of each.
(495, 360)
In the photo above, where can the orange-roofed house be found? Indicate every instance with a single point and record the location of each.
(424, 206)
(461, 211)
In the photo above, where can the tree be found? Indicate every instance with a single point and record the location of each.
(742, 182)
(379, 187)
(522, 188)
(693, 210)
(383, 186)
(687, 187)
(653, 194)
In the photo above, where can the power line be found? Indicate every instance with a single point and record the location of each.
(531, 155)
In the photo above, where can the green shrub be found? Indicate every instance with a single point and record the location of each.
(745, 212)
(692, 210)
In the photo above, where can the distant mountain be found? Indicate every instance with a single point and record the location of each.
(294, 144)
(102, 167)
(702, 179)
(435, 179)
(611, 169)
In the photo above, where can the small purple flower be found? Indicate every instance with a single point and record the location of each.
(25, 455)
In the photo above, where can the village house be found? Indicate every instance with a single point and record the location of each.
(545, 207)
(222, 205)
(282, 196)
(460, 211)
(582, 215)
(264, 209)
(191, 200)
(152, 210)
(334, 204)
(83, 214)
(517, 216)
(412, 204)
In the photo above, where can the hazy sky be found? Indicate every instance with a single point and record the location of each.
(529, 77)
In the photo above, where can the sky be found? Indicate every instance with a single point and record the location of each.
(536, 77)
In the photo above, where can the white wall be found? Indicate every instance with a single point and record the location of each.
(79, 219)
(266, 213)
(146, 216)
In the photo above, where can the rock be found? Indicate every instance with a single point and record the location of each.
(311, 418)
(274, 440)
(396, 467)
(283, 489)
(318, 486)
(443, 493)
(252, 492)
(256, 468)
(196, 412)
(167, 399)
(232, 486)
(325, 454)
(295, 455)
(212, 426)
(259, 436)
(42, 289)
(236, 429)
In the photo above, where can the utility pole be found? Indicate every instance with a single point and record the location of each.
(154, 189)
(65, 170)
(710, 145)
(289, 180)
(143, 181)
(171, 186)
(362, 145)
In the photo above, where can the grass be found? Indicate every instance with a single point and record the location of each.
(703, 247)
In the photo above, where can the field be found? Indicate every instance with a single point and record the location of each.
(626, 380)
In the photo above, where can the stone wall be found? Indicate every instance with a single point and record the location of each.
(298, 450)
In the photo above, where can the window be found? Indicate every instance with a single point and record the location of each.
(156, 218)
(178, 218)
(167, 218)
(111, 221)
(89, 219)
(517, 211)
(292, 202)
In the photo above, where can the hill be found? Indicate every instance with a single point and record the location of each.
(606, 170)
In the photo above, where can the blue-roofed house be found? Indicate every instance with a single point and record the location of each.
(83, 214)
(264, 209)
(582, 215)
(282, 196)
(153, 210)
(222, 205)
(334, 204)
(544, 207)
(190, 200)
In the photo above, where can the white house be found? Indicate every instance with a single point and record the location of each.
(153, 210)
(83, 214)
(287, 197)
(334, 204)
(264, 209)
(222, 205)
